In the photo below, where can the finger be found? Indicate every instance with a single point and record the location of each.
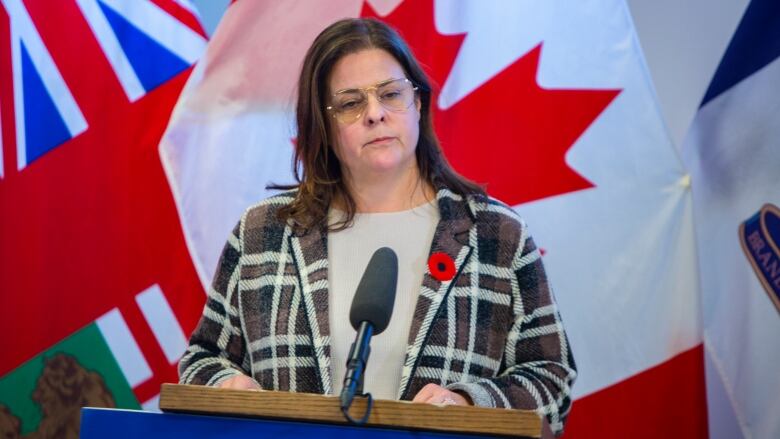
(240, 382)
(440, 397)
(430, 399)
(425, 393)
(447, 397)
(455, 398)
(422, 396)
(248, 383)
(227, 384)
(437, 396)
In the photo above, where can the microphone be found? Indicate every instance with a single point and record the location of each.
(370, 314)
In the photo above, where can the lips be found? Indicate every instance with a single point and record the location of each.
(380, 140)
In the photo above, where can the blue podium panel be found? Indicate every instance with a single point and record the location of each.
(121, 424)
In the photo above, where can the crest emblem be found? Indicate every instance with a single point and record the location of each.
(759, 237)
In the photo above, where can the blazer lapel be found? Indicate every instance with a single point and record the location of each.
(310, 253)
(451, 238)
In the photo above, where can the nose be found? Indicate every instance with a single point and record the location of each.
(375, 112)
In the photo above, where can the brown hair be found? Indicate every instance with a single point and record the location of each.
(315, 166)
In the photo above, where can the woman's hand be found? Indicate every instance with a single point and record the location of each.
(239, 382)
(435, 394)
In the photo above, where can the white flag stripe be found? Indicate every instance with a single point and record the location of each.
(152, 404)
(231, 165)
(23, 30)
(124, 347)
(18, 90)
(112, 49)
(236, 140)
(162, 320)
(162, 27)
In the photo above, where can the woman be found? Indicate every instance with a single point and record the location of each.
(474, 320)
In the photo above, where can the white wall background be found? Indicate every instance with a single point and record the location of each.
(683, 41)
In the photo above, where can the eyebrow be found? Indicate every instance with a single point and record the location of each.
(356, 89)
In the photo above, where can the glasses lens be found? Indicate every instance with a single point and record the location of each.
(396, 95)
(348, 106)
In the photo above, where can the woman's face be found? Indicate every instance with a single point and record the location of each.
(382, 141)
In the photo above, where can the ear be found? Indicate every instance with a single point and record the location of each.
(418, 106)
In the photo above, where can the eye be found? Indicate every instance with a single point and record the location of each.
(391, 94)
(348, 103)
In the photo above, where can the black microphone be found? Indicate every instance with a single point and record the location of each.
(370, 314)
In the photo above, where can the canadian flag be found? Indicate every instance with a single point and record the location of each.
(558, 89)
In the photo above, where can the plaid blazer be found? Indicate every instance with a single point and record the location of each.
(493, 331)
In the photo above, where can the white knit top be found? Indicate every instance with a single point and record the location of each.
(409, 233)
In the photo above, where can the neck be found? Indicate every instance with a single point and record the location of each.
(390, 193)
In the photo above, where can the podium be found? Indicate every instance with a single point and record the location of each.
(207, 412)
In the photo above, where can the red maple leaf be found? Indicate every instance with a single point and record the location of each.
(509, 133)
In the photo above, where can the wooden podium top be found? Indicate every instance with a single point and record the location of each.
(309, 407)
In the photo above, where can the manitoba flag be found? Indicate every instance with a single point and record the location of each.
(97, 291)
(550, 106)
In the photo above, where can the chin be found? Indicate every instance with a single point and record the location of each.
(387, 161)
(385, 168)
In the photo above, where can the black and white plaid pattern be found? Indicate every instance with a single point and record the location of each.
(493, 331)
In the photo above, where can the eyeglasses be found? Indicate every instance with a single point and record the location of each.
(348, 105)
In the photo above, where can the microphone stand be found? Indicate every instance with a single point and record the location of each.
(356, 367)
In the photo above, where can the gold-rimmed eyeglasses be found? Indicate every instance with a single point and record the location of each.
(348, 105)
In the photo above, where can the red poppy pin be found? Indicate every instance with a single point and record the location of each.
(442, 266)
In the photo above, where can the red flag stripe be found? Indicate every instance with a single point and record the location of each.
(668, 400)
